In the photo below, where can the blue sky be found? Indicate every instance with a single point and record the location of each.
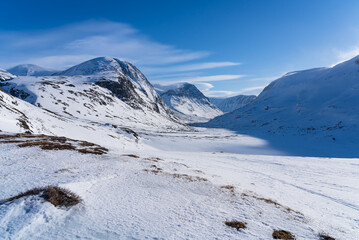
(224, 47)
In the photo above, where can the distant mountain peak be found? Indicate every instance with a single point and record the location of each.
(31, 70)
(189, 103)
(100, 65)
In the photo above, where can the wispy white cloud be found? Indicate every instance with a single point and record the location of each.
(263, 79)
(221, 94)
(191, 67)
(204, 86)
(225, 93)
(73, 43)
(344, 55)
(68, 45)
(252, 90)
(213, 78)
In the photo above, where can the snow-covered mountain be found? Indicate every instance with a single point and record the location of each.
(4, 75)
(320, 100)
(232, 103)
(104, 90)
(30, 70)
(188, 102)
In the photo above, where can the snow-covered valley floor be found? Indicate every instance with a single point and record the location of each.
(180, 186)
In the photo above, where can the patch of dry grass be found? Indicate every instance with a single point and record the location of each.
(153, 159)
(130, 155)
(47, 145)
(228, 187)
(177, 175)
(188, 177)
(236, 224)
(271, 201)
(53, 143)
(325, 236)
(282, 234)
(59, 197)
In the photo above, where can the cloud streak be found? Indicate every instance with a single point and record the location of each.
(191, 67)
(74, 43)
(65, 46)
(213, 78)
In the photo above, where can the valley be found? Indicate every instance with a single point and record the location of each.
(157, 162)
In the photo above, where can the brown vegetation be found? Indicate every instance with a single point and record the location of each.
(324, 236)
(130, 155)
(270, 201)
(53, 143)
(236, 224)
(282, 234)
(177, 175)
(153, 159)
(228, 187)
(59, 197)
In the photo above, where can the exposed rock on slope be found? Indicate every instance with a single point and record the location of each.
(123, 79)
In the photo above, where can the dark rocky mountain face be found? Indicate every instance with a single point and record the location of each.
(124, 80)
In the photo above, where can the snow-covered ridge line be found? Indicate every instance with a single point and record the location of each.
(31, 70)
(103, 90)
(321, 101)
(4, 75)
(232, 103)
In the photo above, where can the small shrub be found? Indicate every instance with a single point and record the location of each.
(188, 177)
(324, 236)
(236, 224)
(130, 155)
(55, 195)
(282, 234)
(153, 159)
(155, 171)
(61, 197)
(96, 150)
(228, 187)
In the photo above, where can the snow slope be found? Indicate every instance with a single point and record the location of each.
(189, 103)
(30, 70)
(4, 75)
(320, 102)
(178, 194)
(17, 116)
(115, 93)
(232, 103)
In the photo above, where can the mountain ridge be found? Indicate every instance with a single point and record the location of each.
(117, 93)
(31, 70)
(232, 103)
(315, 101)
(188, 102)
